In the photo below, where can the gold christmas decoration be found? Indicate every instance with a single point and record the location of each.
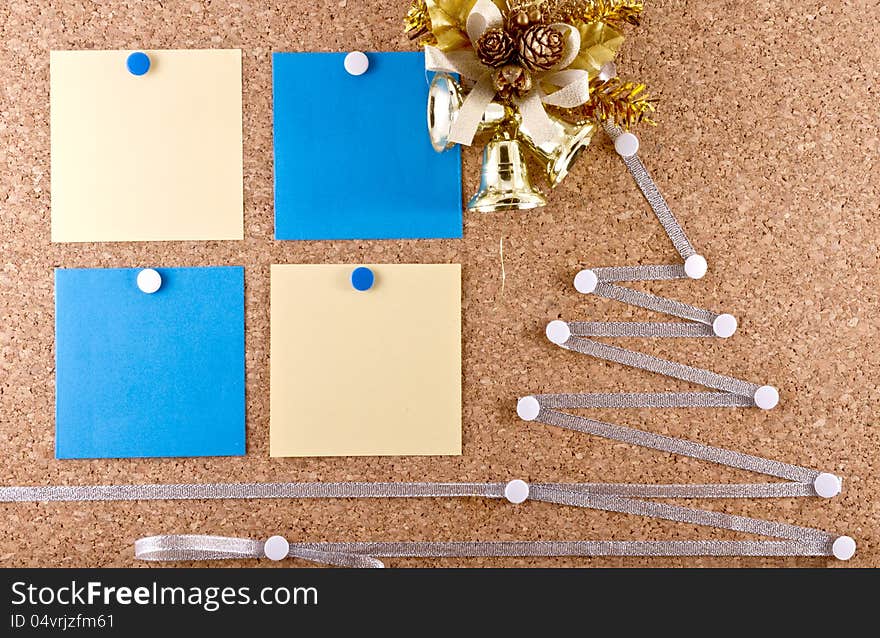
(519, 19)
(615, 12)
(512, 80)
(495, 47)
(504, 179)
(534, 77)
(540, 47)
(417, 24)
(613, 99)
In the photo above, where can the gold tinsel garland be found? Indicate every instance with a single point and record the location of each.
(613, 12)
(614, 99)
(417, 24)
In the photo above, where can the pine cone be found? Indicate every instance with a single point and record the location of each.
(512, 79)
(540, 47)
(495, 48)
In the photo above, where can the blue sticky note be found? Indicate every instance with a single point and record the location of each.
(145, 375)
(352, 154)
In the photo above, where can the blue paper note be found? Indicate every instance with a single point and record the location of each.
(352, 155)
(145, 375)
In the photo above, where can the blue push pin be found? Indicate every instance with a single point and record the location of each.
(362, 278)
(138, 63)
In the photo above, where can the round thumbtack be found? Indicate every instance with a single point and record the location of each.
(766, 397)
(362, 278)
(138, 63)
(558, 332)
(695, 266)
(356, 63)
(527, 408)
(586, 281)
(827, 485)
(843, 548)
(149, 280)
(724, 326)
(626, 145)
(516, 491)
(276, 548)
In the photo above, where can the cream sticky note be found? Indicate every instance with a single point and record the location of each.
(373, 372)
(146, 157)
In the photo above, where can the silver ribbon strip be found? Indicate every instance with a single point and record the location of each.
(198, 548)
(665, 272)
(645, 329)
(655, 199)
(653, 302)
(665, 367)
(247, 491)
(623, 400)
(670, 444)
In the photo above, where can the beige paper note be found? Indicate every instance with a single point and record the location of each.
(366, 373)
(146, 158)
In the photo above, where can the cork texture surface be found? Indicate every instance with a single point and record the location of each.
(767, 151)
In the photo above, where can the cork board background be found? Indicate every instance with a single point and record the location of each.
(767, 151)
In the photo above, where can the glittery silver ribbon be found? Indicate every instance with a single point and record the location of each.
(660, 442)
(656, 201)
(247, 491)
(199, 548)
(730, 392)
(796, 540)
(699, 321)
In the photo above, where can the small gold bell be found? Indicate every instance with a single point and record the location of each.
(504, 179)
(560, 152)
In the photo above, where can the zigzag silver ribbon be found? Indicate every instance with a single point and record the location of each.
(729, 391)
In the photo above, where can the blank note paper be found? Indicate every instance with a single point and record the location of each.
(156, 156)
(149, 374)
(365, 372)
(352, 155)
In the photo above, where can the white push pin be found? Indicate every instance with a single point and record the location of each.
(276, 548)
(724, 326)
(827, 485)
(585, 281)
(695, 266)
(766, 397)
(149, 280)
(558, 332)
(843, 548)
(527, 408)
(626, 145)
(356, 63)
(517, 491)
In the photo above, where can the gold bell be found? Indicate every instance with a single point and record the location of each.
(504, 179)
(560, 152)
